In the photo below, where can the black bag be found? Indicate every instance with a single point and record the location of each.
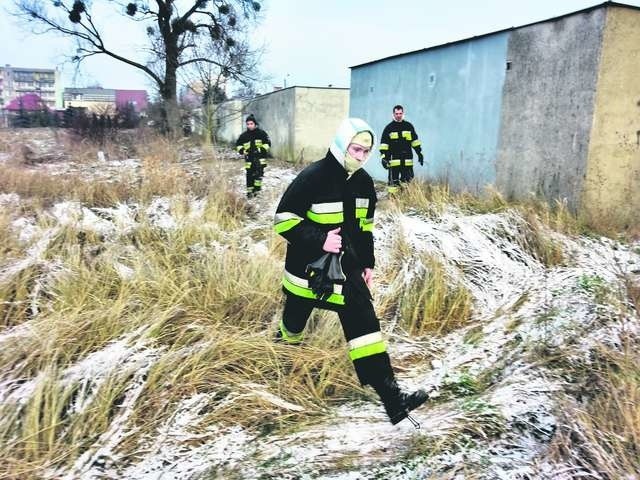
(323, 273)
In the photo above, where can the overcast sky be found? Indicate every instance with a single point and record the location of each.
(307, 42)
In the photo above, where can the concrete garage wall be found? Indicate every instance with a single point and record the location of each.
(300, 121)
(452, 95)
(319, 111)
(547, 107)
(230, 121)
(275, 113)
(612, 186)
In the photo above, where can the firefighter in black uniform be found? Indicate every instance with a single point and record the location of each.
(254, 144)
(398, 138)
(329, 208)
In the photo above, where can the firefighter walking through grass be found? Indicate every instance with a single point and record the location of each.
(254, 144)
(326, 216)
(398, 138)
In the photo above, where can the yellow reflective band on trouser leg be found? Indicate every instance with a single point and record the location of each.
(416, 143)
(247, 165)
(393, 189)
(366, 346)
(395, 162)
(289, 336)
(257, 183)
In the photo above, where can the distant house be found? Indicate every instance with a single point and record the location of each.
(19, 81)
(29, 102)
(551, 108)
(105, 100)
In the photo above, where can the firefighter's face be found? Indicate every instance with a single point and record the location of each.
(359, 152)
(398, 115)
(251, 125)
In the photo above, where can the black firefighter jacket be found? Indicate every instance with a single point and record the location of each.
(253, 144)
(396, 142)
(321, 198)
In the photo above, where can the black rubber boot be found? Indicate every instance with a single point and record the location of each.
(397, 403)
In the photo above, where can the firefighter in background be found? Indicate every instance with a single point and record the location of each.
(329, 209)
(254, 144)
(398, 138)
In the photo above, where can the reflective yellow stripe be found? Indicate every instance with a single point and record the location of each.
(416, 143)
(392, 188)
(361, 212)
(288, 336)
(393, 135)
(239, 147)
(408, 163)
(258, 143)
(325, 218)
(366, 224)
(406, 134)
(285, 221)
(364, 340)
(395, 162)
(247, 145)
(367, 350)
(257, 183)
(307, 293)
(263, 161)
(247, 165)
(383, 147)
(266, 146)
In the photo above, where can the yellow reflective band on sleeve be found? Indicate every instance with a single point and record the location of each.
(367, 350)
(384, 146)
(263, 161)
(266, 146)
(257, 183)
(395, 162)
(247, 165)
(247, 145)
(239, 147)
(416, 143)
(306, 292)
(406, 134)
(288, 336)
(325, 218)
(366, 224)
(258, 143)
(361, 212)
(285, 221)
(393, 135)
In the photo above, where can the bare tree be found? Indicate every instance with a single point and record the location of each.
(210, 82)
(176, 30)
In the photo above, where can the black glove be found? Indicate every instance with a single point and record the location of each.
(420, 158)
(385, 163)
(323, 273)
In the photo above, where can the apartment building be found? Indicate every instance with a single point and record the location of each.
(18, 81)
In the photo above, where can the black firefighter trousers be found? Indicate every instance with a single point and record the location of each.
(255, 170)
(358, 321)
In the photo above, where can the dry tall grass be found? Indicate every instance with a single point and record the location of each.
(602, 437)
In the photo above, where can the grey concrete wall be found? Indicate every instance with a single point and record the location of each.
(318, 113)
(547, 107)
(230, 121)
(452, 95)
(275, 113)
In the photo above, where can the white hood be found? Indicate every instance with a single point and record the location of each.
(348, 129)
